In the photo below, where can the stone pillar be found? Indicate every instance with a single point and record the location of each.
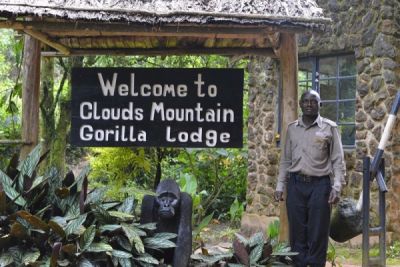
(263, 151)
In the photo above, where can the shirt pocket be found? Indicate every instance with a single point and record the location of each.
(320, 145)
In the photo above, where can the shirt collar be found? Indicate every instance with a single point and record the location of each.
(317, 121)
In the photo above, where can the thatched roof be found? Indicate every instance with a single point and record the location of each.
(269, 15)
(305, 12)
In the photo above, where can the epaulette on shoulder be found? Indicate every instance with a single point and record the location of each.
(328, 121)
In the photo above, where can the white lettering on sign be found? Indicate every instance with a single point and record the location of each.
(211, 89)
(211, 137)
(89, 110)
(108, 88)
(118, 133)
(197, 113)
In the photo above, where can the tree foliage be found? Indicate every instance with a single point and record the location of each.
(11, 46)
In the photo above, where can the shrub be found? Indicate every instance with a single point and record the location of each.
(49, 221)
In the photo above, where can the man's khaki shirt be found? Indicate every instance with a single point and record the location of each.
(315, 150)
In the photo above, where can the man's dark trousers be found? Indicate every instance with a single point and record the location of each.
(309, 217)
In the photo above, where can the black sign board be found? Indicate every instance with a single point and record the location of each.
(171, 107)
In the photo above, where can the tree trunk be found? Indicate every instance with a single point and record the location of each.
(58, 159)
(47, 107)
(30, 95)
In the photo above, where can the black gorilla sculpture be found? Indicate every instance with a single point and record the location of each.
(172, 210)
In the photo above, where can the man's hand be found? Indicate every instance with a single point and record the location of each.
(278, 196)
(333, 197)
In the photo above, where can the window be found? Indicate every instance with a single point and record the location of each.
(334, 77)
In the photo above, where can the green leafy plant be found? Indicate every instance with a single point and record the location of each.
(273, 232)
(393, 250)
(235, 211)
(255, 251)
(332, 255)
(49, 221)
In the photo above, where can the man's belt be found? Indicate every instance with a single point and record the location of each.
(300, 177)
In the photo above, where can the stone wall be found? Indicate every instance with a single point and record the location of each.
(370, 30)
(263, 152)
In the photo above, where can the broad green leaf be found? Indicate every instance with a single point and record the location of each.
(121, 254)
(288, 253)
(211, 259)
(109, 227)
(108, 206)
(222, 152)
(74, 225)
(28, 165)
(273, 229)
(64, 263)
(99, 247)
(165, 235)
(157, 243)
(85, 263)
(203, 223)
(147, 258)
(79, 180)
(121, 215)
(236, 265)
(6, 259)
(188, 184)
(96, 195)
(102, 215)
(256, 239)
(256, 254)
(37, 181)
(30, 257)
(147, 226)
(125, 262)
(133, 237)
(40, 213)
(128, 206)
(87, 238)
(73, 207)
(124, 243)
(33, 220)
(10, 191)
(242, 239)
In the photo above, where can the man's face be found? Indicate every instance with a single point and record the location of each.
(310, 105)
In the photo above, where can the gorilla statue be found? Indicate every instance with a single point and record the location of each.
(171, 209)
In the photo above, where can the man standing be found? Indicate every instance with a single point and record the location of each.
(312, 167)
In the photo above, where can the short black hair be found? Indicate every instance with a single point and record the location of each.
(311, 92)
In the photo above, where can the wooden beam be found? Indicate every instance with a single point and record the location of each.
(66, 28)
(201, 34)
(166, 51)
(289, 62)
(30, 94)
(47, 40)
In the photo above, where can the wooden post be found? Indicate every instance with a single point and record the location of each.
(30, 95)
(289, 62)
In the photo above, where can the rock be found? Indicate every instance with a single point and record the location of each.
(383, 48)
